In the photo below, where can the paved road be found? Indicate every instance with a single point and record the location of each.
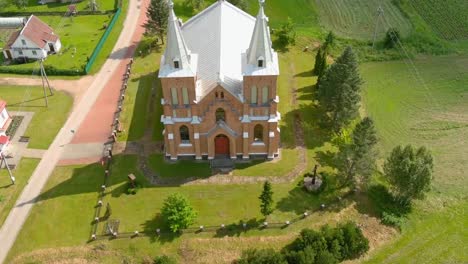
(20, 212)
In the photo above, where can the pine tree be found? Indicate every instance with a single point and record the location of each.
(157, 13)
(357, 159)
(266, 199)
(339, 90)
(242, 4)
(330, 40)
(321, 62)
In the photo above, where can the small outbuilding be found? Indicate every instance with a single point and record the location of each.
(36, 40)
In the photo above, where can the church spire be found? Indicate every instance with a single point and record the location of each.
(177, 54)
(260, 52)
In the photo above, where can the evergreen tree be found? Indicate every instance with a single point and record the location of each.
(391, 38)
(286, 34)
(330, 40)
(339, 89)
(357, 159)
(321, 62)
(266, 199)
(409, 172)
(157, 13)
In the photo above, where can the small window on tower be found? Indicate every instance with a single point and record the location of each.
(176, 64)
(260, 63)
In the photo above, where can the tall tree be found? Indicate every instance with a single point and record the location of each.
(339, 89)
(286, 34)
(321, 62)
(177, 212)
(157, 13)
(356, 161)
(266, 199)
(330, 40)
(409, 172)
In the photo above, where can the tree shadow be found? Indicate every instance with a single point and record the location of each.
(307, 93)
(151, 226)
(381, 201)
(237, 229)
(305, 74)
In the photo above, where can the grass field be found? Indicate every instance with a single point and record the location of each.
(65, 208)
(46, 122)
(357, 19)
(34, 6)
(9, 193)
(431, 111)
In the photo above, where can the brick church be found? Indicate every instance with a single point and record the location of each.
(219, 81)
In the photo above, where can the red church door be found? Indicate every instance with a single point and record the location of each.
(221, 145)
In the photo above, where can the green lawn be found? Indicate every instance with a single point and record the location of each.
(135, 117)
(9, 193)
(431, 113)
(46, 122)
(63, 214)
(34, 6)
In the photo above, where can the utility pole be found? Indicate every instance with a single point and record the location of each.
(3, 159)
(380, 13)
(44, 81)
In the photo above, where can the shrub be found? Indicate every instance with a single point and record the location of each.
(164, 260)
(1, 198)
(355, 243)
(392, 219)
(261, 256)
(392, 37)
(177, 212)
(133, 190)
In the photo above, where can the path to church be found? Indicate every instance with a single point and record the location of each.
(145, 147)
(31, 191)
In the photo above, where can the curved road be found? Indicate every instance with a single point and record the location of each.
(25, 202)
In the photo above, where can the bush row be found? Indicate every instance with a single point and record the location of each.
(329, 245)
(50, 70)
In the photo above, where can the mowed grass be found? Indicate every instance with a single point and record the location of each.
(449, 18)
(135, 116)
(62, 217)
(427, 108)
(8, 192)
(34, 6)
(357, 19)
(47, 121)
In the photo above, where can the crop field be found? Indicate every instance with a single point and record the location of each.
(357, 18)
(448, 18)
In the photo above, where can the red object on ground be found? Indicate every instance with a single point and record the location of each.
(4, 140)
(97, 125)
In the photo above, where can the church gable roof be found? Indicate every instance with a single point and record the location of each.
(219, 35)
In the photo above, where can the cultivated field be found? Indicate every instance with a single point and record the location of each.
(357, 19)
(449, 18)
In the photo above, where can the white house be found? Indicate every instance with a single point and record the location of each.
(5, 121)
(34, 41)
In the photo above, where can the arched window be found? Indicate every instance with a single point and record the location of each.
(220, 115)
(222, 95)
(253, 95)
(175, 100)
(184, 134)
(258, 133)
(261, 62)
(265, 95)
(176, 63)
(185, 96)
(216, 95)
